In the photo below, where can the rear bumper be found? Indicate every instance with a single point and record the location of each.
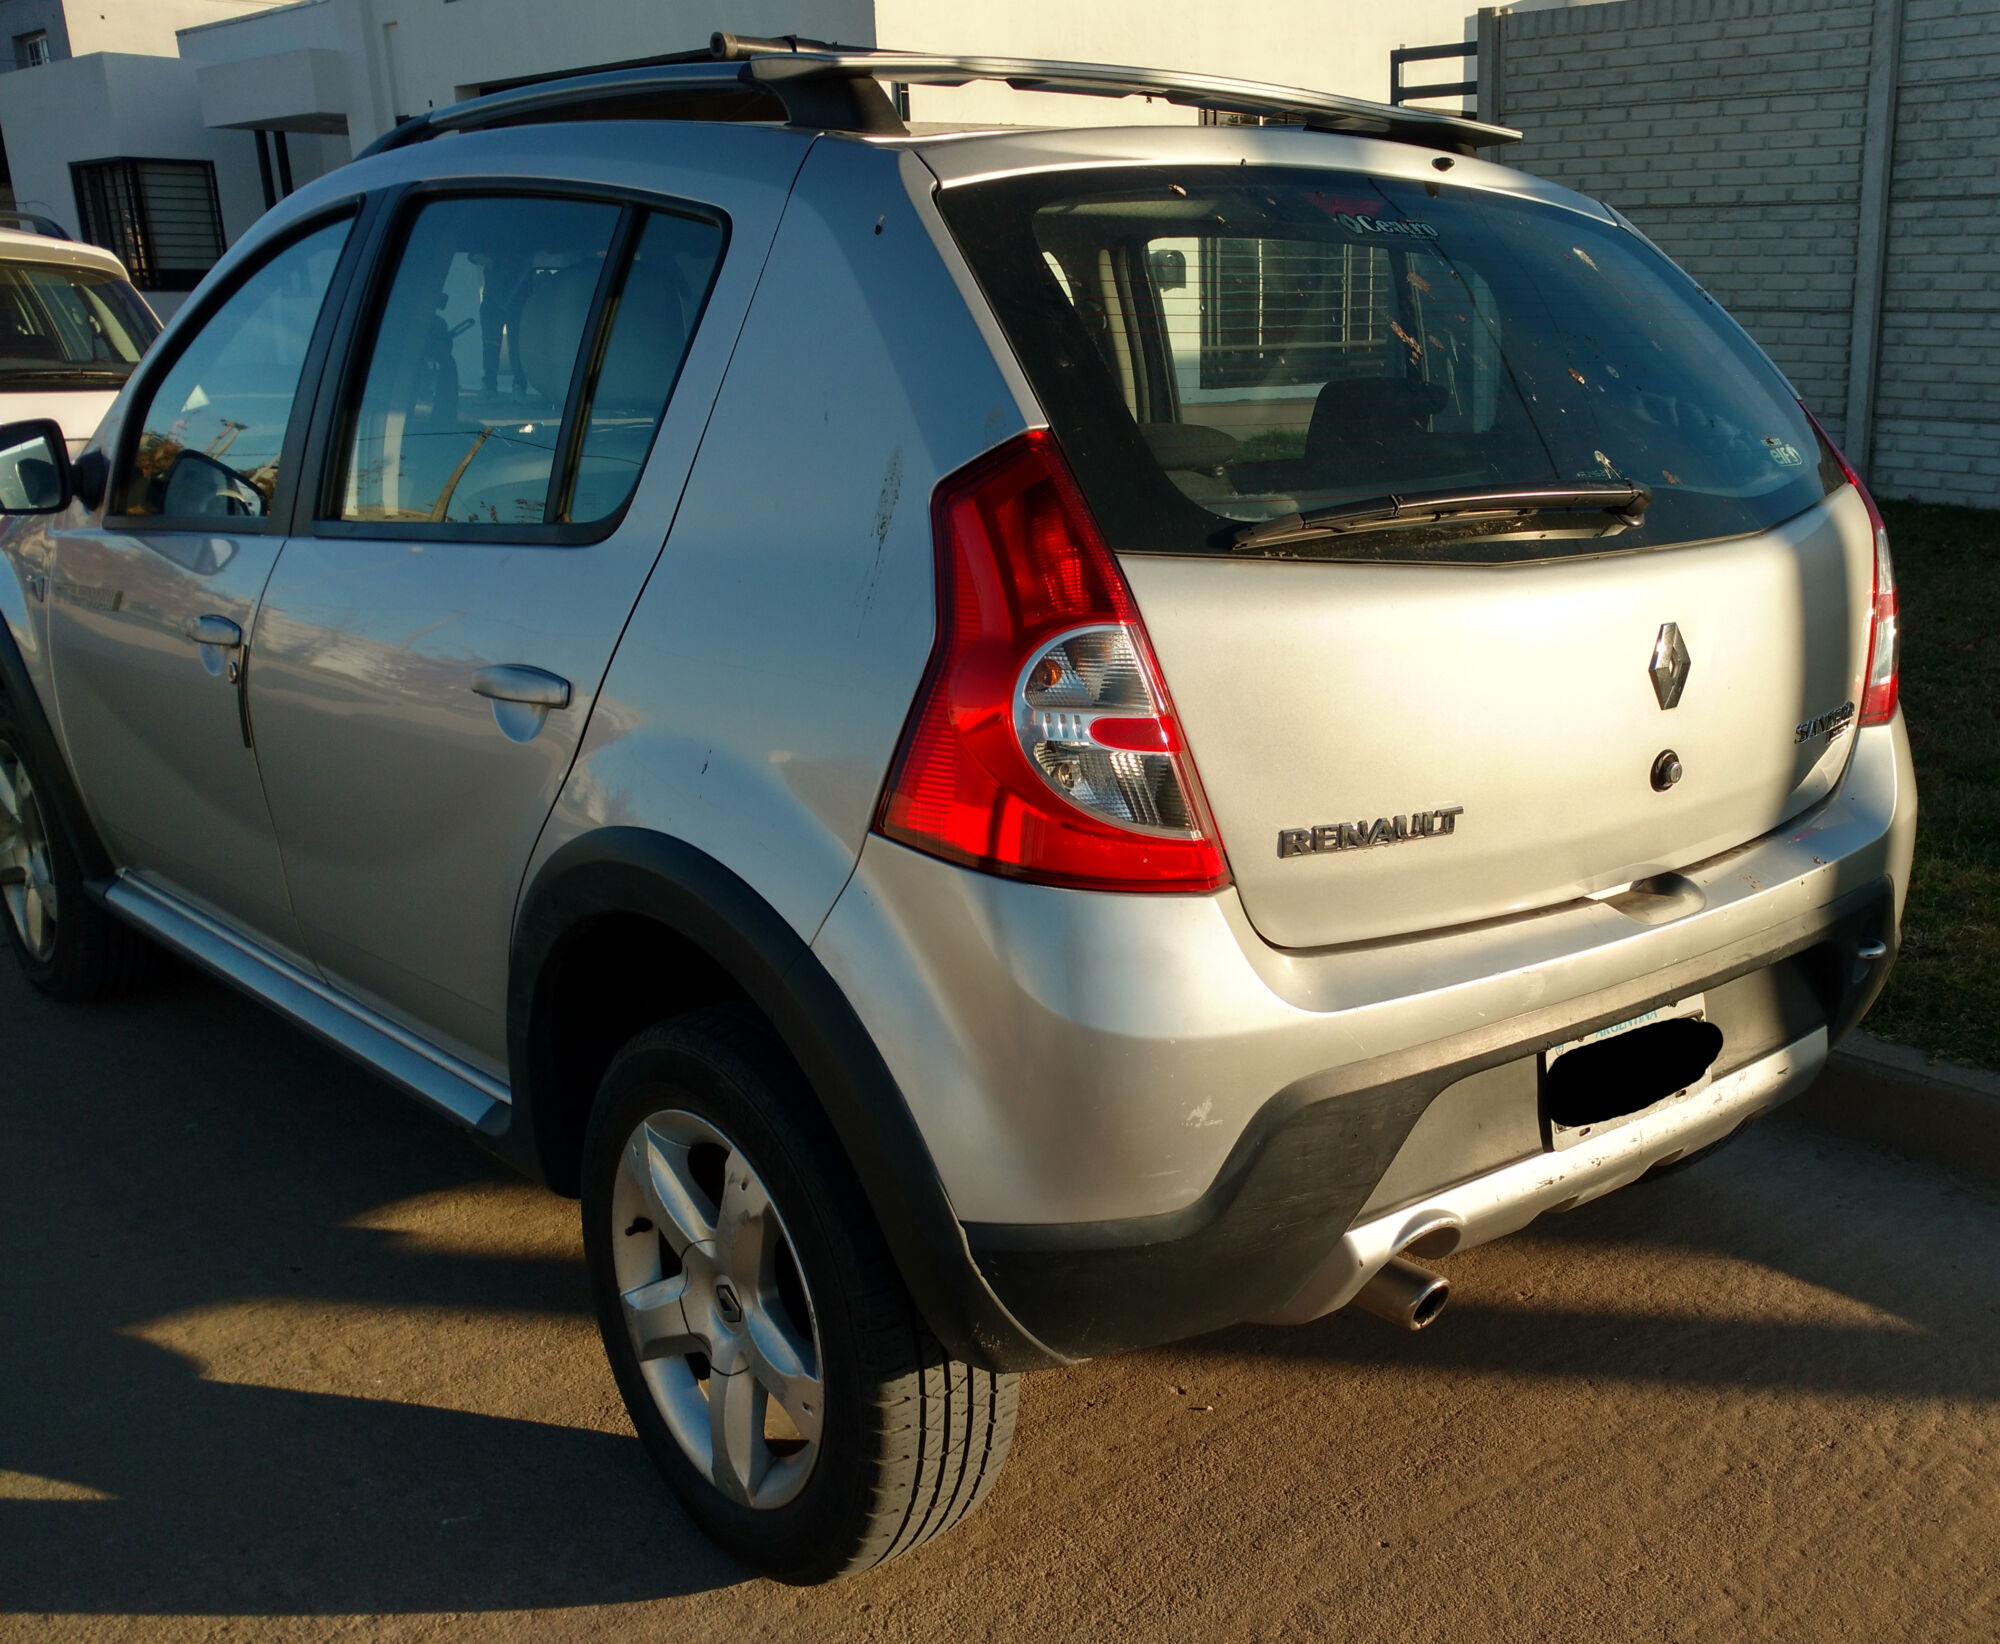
(1288, 1233)
(1501, 1201)
(1151, 1123)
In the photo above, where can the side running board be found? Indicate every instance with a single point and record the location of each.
(461, 1093)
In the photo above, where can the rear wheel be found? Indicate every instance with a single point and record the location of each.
(68, 946)
(770, 1357)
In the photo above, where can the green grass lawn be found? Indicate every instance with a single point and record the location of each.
(1944, 997)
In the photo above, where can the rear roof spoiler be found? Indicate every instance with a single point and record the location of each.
(821, 87)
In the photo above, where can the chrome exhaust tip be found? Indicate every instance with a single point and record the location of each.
(1404, 1294)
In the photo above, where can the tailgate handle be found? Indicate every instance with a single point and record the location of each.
(515, 682)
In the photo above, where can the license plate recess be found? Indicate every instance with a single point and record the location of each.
(1650, 1072)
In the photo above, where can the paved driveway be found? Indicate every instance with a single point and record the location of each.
(278, 1347)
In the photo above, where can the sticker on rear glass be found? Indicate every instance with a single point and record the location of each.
(1382, 225)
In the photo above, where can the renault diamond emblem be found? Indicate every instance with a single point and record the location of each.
(726, 1302)
(1670, 665)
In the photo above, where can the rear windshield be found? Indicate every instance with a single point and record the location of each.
(1219, 347)
(63, 327)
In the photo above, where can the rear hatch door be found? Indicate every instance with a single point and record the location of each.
(1395, 748)
(1359, 437)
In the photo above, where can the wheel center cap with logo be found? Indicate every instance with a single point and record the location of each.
(727, 1302)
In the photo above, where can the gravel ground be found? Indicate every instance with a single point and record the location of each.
(285, 1357)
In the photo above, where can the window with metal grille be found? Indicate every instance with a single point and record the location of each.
(161, 217)
(30, 50)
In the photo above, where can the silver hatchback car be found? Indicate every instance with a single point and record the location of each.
(996, 745)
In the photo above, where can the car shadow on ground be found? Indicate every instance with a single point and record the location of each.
(184, 1156)
(184, 1153)
(260, 1501)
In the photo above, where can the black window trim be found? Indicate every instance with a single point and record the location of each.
(317, 507)
(188, 324)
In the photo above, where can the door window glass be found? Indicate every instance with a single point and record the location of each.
(472, 361)
(650, 330)
(212, 433)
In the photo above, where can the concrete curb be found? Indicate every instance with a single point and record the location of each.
(1944, 1112)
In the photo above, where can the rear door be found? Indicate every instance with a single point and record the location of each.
(431, 645)
(1282, 387)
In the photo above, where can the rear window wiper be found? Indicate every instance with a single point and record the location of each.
(1623, 506)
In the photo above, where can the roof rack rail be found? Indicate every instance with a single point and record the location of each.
(29, 222)
(822, 87)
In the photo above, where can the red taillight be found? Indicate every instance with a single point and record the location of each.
(1882, 683)
(1881, 676)
(1042, 743)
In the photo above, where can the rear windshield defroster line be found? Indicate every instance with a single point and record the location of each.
(1224, 348)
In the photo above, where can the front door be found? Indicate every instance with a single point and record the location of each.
(427, 655)
(151, 608)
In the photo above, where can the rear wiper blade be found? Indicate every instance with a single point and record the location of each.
(1624, 504)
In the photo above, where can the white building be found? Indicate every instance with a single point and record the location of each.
(162, 128)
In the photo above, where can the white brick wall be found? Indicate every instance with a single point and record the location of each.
(1937, 408)
(1732, 132)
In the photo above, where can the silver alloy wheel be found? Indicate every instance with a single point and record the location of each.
(27, 878)
(718, 1310)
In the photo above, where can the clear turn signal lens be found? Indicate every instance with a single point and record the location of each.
(1090, 722)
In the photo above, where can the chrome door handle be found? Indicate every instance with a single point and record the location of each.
(521, 696)
(215, 630)
(516, 682)
(221, 643)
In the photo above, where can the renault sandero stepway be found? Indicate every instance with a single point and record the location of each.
(996, 746)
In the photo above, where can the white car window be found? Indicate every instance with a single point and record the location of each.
(65, 327)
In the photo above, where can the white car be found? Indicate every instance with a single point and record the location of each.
(71, 329)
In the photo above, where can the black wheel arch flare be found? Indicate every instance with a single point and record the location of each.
(625, 872)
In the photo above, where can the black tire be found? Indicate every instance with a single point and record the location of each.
(88, 954)
(910, 1440)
